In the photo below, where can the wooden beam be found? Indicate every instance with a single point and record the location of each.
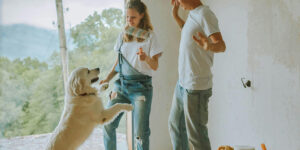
(62, 41)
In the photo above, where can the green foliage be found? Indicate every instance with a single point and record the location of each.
(98, 31)
(32, 93)
(16, 79)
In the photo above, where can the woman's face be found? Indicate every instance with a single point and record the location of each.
(133, 17)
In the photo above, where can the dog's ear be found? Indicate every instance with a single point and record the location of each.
(76, 86)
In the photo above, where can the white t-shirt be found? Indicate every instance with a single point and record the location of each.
(129, 49)
(195, 63)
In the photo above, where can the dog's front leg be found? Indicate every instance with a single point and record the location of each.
(111, 113)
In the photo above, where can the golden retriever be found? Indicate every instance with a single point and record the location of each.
(83, 110)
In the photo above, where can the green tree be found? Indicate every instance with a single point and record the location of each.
(16, 79)
(98, 32)
(95, 38)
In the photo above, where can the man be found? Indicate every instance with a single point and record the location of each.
(200, 39)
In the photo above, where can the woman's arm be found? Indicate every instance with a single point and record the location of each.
(111, 74)
(152, 62)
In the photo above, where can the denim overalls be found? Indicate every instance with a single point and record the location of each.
(133, 88)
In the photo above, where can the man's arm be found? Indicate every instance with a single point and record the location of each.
(175, 9)
(216, 45)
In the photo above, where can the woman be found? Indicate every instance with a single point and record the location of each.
(138, 58)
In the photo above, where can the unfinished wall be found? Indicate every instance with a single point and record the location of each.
(165, 78)
(263, 45)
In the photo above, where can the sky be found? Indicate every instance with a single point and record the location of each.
(42, 13)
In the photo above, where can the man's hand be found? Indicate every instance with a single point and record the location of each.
(175, 9)
(202, 41)
(142, 54)
(173, 2)
(212, 43)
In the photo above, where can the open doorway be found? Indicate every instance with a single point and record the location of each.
(31, 94)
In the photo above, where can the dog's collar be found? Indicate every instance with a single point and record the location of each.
(87, 94)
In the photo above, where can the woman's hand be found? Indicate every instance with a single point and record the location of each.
(142, 54)
(104, 81)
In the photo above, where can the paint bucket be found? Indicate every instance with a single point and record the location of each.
(239, 147)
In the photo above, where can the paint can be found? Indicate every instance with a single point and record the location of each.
(240, 147)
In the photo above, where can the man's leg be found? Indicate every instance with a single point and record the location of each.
(196, 116)
(176, 122)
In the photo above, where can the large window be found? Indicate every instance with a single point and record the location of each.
(31, 92)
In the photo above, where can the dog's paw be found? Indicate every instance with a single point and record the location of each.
(128, 107)
(104, 86)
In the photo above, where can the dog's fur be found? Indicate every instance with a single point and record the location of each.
(83, 110)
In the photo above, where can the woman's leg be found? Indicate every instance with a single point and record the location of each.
(141, 114)
(109, 130)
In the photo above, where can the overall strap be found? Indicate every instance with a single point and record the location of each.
(125, 68)
(120, 58)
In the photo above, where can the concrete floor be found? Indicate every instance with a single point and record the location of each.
(38, 142)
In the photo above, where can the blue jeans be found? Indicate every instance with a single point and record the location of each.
(135, 90)
(188, 119)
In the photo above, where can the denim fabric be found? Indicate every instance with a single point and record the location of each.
(132, 88)
(188, 119)
(138, 92)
